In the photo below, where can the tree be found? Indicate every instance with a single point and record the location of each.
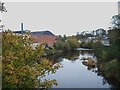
(19, 63)
(65, 37)
(100, 32)
(73, 43)
(2, 7)
(115, 22)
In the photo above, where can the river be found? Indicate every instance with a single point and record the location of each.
(74, 74)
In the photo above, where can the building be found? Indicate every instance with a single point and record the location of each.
(46, 37)
(22, 31)
(39, 37)
(105, 41)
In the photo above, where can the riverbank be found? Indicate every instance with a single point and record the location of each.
(107, 57)
(52, 51)
(107, 70)
(84, 75)
(110, 71)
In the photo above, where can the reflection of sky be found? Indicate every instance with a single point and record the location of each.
(76, 75)
(86, 55)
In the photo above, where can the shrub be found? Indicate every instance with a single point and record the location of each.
(87, 45)
(112, 70)
(67, 45)
(73, 43)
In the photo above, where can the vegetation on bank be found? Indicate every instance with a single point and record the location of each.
(20, 67)
(64, 44)
(111, 55)
(108, 56)
(49, 51)
(110, 70)
(106, 52)
(67, 44)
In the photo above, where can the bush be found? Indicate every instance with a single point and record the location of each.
(87, 45)
(59, 45)
(49, 51)
(66, 45)
(110, 69)
(73, 43)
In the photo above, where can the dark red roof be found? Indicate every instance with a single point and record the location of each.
(44, 37)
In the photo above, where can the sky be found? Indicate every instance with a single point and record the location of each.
(59, 17)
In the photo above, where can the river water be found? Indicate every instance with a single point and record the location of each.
(74, 74)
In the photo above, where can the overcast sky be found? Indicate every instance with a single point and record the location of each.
(59, 17)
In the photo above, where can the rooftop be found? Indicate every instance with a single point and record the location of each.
(35, 32)
(42, 33)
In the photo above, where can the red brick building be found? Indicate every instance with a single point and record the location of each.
(44, 37)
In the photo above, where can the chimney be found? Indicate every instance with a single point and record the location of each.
(22, 28)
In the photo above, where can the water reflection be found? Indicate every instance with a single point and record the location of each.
(75, 74)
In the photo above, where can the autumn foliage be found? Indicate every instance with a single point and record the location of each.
(19, 63)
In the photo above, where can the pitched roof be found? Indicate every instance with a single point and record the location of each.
(36, 32)
(42, 33)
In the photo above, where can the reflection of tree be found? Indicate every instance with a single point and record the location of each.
(88, 52)
(104, 81)
(89, 67)
(113, 83)
(55, 58)
(72, 56)
(115, 21)
(86, 55)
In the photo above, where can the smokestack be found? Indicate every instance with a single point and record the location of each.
(22, 28)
